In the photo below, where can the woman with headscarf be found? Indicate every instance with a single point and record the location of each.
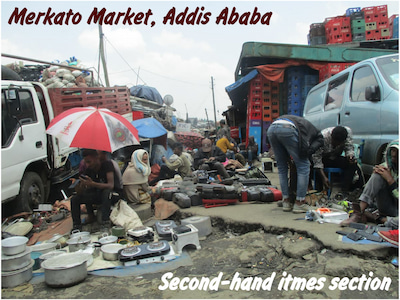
(135, 177)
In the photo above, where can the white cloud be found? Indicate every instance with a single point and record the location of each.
(123, 38)
(177, 40)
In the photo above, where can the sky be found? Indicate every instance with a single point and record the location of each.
(178, 60)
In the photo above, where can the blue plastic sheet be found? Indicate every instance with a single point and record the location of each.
(149, 128)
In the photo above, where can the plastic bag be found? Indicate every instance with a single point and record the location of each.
(123, 215)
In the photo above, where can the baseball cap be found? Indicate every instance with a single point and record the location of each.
(206, 145)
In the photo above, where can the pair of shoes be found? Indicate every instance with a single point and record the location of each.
(302, 208)
(391, 236)
(287, 206)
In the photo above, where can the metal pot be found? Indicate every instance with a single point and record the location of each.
(118, 231)
(14, 245)
(15, 262)
(78, 243)
(108, 240)
(110, 251)
(95, 246)
(14, 278)
(65, 270)
(77, 233)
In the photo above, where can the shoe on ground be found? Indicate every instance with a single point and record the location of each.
(303, 208)
(391, 236)
(287, 206)
(279, 203)
(76, 228)
(356, 217)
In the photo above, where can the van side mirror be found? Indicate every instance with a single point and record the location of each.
(372, 93)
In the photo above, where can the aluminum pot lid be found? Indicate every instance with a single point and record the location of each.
(55, 237)
(43, 246)
(64, 261)
(79, 240)
(20, 228)
(9, 257)
(79, 233)
(108, 239)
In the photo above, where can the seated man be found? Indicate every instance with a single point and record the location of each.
(249, 152)
(96, 187)
(381, 191)
(336, 140)
(177, 164)
(210, 157)
(226, 146)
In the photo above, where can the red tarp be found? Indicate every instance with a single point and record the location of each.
(276, 72)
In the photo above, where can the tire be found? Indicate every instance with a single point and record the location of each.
(31, 192)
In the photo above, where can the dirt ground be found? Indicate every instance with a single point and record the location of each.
(261, 264)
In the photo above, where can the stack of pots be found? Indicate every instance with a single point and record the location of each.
(16, 262)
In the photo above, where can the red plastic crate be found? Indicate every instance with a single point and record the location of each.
(116, 99)
(368, 10)
(391, 19)
(381, 9)
(373, 35)
(254, 115)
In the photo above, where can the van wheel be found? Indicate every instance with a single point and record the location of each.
(31, 192)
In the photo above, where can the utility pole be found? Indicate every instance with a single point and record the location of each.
(103, 59)
(215, 114)
(208, 122)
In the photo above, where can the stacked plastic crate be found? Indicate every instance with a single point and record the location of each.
(376, 23)
(300, 80)
(254, 110)
(316, 35)
(331, 69)
(357, 23)
(337, 30)
(394, 26)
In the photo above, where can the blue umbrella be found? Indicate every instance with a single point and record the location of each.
(149, 128)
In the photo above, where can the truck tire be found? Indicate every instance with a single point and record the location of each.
(32, 192)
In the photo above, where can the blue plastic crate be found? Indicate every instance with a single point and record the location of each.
(352, 10)
(295, 112)
(310, 80)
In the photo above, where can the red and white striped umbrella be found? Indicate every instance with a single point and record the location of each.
(93, 128)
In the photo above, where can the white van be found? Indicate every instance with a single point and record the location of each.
(364, 97)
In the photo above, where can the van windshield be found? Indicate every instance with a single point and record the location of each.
(389, 66)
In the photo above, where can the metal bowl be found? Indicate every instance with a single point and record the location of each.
(14, 245)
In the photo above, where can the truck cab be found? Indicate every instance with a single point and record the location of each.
(31, 159)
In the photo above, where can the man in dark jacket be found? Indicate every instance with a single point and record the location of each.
(210, 157)
(294, 137)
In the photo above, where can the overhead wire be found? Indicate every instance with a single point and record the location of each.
(131, 68)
